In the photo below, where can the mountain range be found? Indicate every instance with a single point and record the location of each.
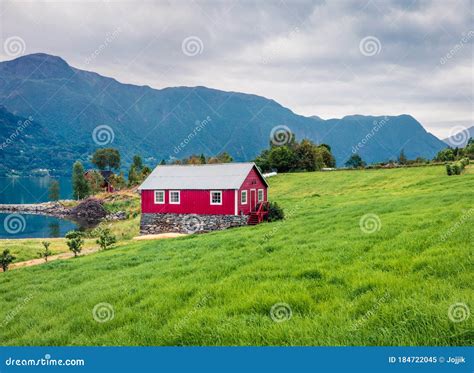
(75, 112)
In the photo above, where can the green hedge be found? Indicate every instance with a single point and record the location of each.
(456, 168)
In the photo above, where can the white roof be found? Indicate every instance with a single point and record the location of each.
(207, 176)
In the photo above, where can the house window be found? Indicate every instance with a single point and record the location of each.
(243, 197)
(159, 197)
(260, 195)
(216, 197)
(174, 197)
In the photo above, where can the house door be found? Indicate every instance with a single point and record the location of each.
(253, 199)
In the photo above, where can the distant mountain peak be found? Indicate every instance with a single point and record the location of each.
(37, 66)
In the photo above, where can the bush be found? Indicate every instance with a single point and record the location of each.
(275, 212)
(449, 169)
(75, 241)
(46, 251)
(5, 259)
(106, 239)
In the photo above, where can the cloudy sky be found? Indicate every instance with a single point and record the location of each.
(325, 58)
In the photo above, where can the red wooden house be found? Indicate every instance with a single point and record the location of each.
(211, 189)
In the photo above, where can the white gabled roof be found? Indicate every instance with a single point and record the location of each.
(206, 176)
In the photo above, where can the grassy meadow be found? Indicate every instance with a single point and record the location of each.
(372, 257)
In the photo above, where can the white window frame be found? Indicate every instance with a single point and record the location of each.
(171, 200)
(258, 195)
(163, 194)
(210, 195)
(246, 197)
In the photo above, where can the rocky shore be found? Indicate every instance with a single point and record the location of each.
(87, 212)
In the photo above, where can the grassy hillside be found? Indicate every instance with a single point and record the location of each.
(344, 286)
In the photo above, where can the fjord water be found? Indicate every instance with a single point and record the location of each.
(32, 190)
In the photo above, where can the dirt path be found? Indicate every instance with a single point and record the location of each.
(34, 262)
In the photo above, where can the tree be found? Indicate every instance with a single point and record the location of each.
(202, 158)
(325, 152)
(54, 190)
(133, 178)
(355, 161)
(106, 158)
(6, 259)
(80, 187)
(402, 159)
(118, 181)
(95, 181)
(163, 162)
(445, 155)
(282, 158)
(307, 157)
(224, 158)
(145, 172)
(106, 239)
(45, 253)
(75, 241)
(137, 163)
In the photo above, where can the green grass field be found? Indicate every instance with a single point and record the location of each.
(343, 286)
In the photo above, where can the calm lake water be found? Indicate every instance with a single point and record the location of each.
(32, 190)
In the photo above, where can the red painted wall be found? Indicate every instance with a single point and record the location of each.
(252, 181)
(192, 202)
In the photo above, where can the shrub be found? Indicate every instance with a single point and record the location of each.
(106, 239)
(6, 259)
(275, 212)
(75, 241)
(456, 167)
(449, 169)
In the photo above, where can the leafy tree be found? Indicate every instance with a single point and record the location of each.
(282, 158)
(325, 152)
(106, 158)
(6, 259)
(445, 155)
(137, 163)
(263, 161)
(402, 159)
(145, 172)
(45, 253)
(307, 157)
(95, 180)
(133, 178)
(74, 240)
(224, 158)
(355, 161)
(118, 181)
(54, 190)
(106, 239)
(80, 186)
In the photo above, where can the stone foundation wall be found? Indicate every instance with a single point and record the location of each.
(188, 223)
